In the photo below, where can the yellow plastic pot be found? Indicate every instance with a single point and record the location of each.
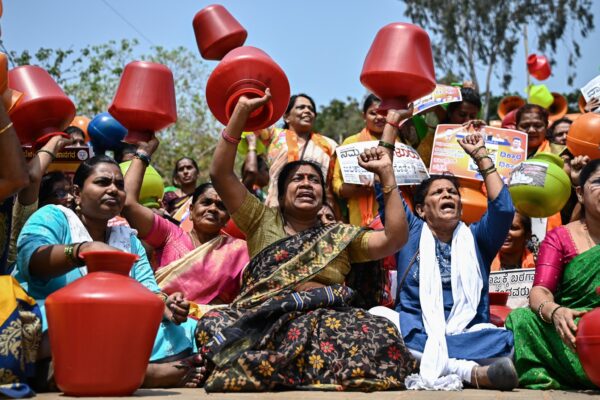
(540, 95)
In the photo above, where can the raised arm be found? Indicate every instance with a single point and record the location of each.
(379, 161)
(13, 174)
(222, 175)
(139, 217)
(37, 167)
(474, 146)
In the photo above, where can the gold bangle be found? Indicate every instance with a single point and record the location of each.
(388, 188)
(7, 127)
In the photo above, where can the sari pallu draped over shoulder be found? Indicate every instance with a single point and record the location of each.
(273, 337)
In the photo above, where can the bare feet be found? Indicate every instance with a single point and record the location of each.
(188, 372)
(500, 375)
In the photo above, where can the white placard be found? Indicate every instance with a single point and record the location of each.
(591, 89)
(408, 166)
(517, 282)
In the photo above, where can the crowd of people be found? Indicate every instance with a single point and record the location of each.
(279, 277)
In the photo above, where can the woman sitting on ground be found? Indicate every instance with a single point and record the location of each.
(443, 284)
(566, 277)
(292, 325)
(48, 259)
(514, 253)
(203, 264)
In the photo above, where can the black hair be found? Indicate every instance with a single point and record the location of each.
(194, 163)
(261, 162)
(588, 170)
(47, 184)
(526, 222)
(200, 190)
(74, 129)
(532, 108)
(422, 189)
(86, 168)
(291, 105)
(290, 167)
(469, 95)
(126, 148)
(550, 132)
(371, 98)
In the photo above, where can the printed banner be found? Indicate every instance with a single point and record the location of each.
(591, 89)
(442, 94)
(517, 282)
(507, 148)
(67, 160)
(408, 166)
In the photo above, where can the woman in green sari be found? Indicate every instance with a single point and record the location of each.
(567, 275)
(293, 324)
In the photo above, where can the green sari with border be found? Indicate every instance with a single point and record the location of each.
(274, 338)
(542, 359)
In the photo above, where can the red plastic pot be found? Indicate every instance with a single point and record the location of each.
(399, 65)
(583, 138)
(102, 328)
(247, 71)
(145, 100)
(538, 67)
(44, 110)
(217, 32)
(588, 343)
(498, 309)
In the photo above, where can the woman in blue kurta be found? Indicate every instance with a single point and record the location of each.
(48, 259)
(443, 273)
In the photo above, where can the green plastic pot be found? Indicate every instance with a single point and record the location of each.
(540, 95)
(152, 186)
(539, 187)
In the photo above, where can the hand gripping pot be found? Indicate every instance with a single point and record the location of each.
(247, 71)
(102, 328)
(399, 65)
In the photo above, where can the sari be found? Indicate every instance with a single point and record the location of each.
(20, 337)
(208, 274)
(543, 361)
(284, 148)
(274, 338)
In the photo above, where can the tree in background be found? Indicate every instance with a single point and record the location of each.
(90, 77)
(340, 119)
(470, 34)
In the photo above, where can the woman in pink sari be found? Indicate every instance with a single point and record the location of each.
(203, 264)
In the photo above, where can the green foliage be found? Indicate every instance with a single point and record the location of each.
(340, 119)
(470, 34)
(91, 75)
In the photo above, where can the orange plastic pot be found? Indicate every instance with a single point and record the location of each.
(145, 100)
(538, 67)
(508, 104)
(247, 71)
(9, 97)
(474, 202)
(399, 65)
(102, 328)
(217, 32)
(44, 110)
(82, 123)
(584, 136)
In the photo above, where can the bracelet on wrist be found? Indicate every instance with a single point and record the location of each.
(540, 308)
(51, 154)
(143, 156)
(230, 139)
(386, 145)
(387, 189)
(487, 171)
(552, 314)
(397, 126)
(479, 158)
(70, 254)
(475, 150)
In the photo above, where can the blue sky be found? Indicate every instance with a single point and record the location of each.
(320, 44)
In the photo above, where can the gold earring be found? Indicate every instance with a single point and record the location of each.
(78, 208)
